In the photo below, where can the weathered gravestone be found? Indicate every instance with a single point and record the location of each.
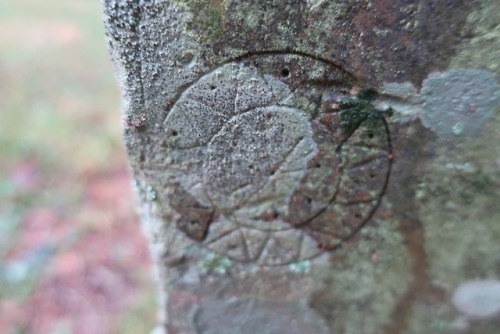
(316, 166)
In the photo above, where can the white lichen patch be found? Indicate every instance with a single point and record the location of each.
(478, 299)
(459, 102)
(300, 267)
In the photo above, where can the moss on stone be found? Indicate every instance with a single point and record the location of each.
(360, 111)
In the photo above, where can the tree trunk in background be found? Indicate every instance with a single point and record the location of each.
(316, 166)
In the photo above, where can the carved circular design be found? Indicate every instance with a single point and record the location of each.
(259, 167)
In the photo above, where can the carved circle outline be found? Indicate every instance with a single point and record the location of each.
(329, 63)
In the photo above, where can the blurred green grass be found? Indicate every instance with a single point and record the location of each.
(56, 83)
(60, 135)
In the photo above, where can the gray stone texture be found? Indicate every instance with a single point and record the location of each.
(315, 166)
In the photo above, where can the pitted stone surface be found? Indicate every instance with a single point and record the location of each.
(267, 135)
(252, 316)
(259, 167)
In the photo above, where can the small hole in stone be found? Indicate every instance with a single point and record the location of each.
(250, 167)
(370, 135)
(285, 72)
(308, 200)
(175, 133)
(372, 175)
(272, 172)
(318, 165)
(276, 215)
(212, 87)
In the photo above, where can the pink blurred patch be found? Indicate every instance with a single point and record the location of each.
(42, 226)
(26, 176)
(89, 286)
(91, 282)
(35, 35)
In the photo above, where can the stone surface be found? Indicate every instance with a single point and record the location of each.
(251, 316)
(330, 162)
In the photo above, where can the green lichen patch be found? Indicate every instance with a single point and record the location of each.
(208, 17)
(300, 267)
(466, 183)
(459, 208)
(457, 203)
(215, 263)
(481, 50)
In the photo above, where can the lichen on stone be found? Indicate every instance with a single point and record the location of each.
(480, 50)
(459, 102)
(207, 17)
(215, 263)
(479, 299)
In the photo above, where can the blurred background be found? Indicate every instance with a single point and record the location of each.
(73, 258)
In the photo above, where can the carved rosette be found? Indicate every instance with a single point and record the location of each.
(259, 168)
